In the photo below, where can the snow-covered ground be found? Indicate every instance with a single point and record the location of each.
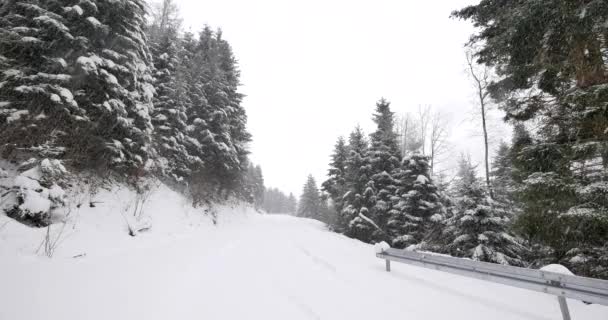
(248, 266)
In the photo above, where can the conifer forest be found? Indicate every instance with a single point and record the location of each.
(100, 98)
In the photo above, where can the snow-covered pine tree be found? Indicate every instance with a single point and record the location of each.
(335, 185)
(217, 121)
(76, 84)
(359, 196)
(479, 227)
(113, 83)
(258, 186)
(502, 175)
(309, 205)
(385, 158)
(551, 60)
(292, 204)
(239, 136)
(170, 102)
(417, 207)
(253, 189)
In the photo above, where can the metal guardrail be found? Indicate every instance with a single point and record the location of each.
(563, 286)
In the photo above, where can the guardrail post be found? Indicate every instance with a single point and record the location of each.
(563, 305)
(388, 267)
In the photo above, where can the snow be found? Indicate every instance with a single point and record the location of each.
(579, 258)
(77, 9)
(88, 64)
(40, 116)
(12, 73)
(35, 202)
(436, 217)
(50, 21)
(66, 94)
(94, 22)
(110, 78)
(381, 247)
(248, 266)
(15, 116)
(422, 179)
(557, 268)
(30, 39)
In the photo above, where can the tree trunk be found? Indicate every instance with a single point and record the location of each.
(485, 142)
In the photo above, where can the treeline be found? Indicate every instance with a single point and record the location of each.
(275, 201)
(92, 85)
(545, 195)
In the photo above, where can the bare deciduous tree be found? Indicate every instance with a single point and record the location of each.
(424, 117)
(425, 132)
(164, 16)
(481, 79)
(438, 138)
(406, 127)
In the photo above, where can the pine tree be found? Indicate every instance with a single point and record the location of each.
(417, 203)
(79, 79)
(479, 227)
(360, 193)
(76, 85)
(502, 174)
(275, 201)
(258, 186)
(551, 61)
(170, 102)
(216, 121)
(335, 185)
(309, 205)
(253, 189)
(292, 204)
(385, 158)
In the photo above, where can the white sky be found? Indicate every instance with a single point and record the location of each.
(314, 69)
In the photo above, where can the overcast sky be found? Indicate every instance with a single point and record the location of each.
(312, 70)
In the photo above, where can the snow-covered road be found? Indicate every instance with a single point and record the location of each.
(263, 267)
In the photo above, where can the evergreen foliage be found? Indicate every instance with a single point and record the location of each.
(385, 158)
(551, 60)
(417, 203)
(479, 228)
(255, 191)
(88, 85)
(359, 194)
(310, 205)
(275, 201)
(335, 185)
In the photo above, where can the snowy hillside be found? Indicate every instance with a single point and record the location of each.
(248, 266)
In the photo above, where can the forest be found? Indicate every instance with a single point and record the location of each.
(99, 91)
(542, 198)
(116, 90)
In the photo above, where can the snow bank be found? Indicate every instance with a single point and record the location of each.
(252, 267)
(381, 247)
(99, 224)
(557, 268)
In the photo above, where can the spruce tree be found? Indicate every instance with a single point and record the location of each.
(360, 193)
(551, 62)
(170, 102)
(292, 204)
(479, 227)
(78, 78)
(309, 205)
(502, 174)
(385, 158)
(216, 120)
(417, 207)
(335, 185)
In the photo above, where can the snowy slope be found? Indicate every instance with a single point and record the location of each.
(253, 266)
